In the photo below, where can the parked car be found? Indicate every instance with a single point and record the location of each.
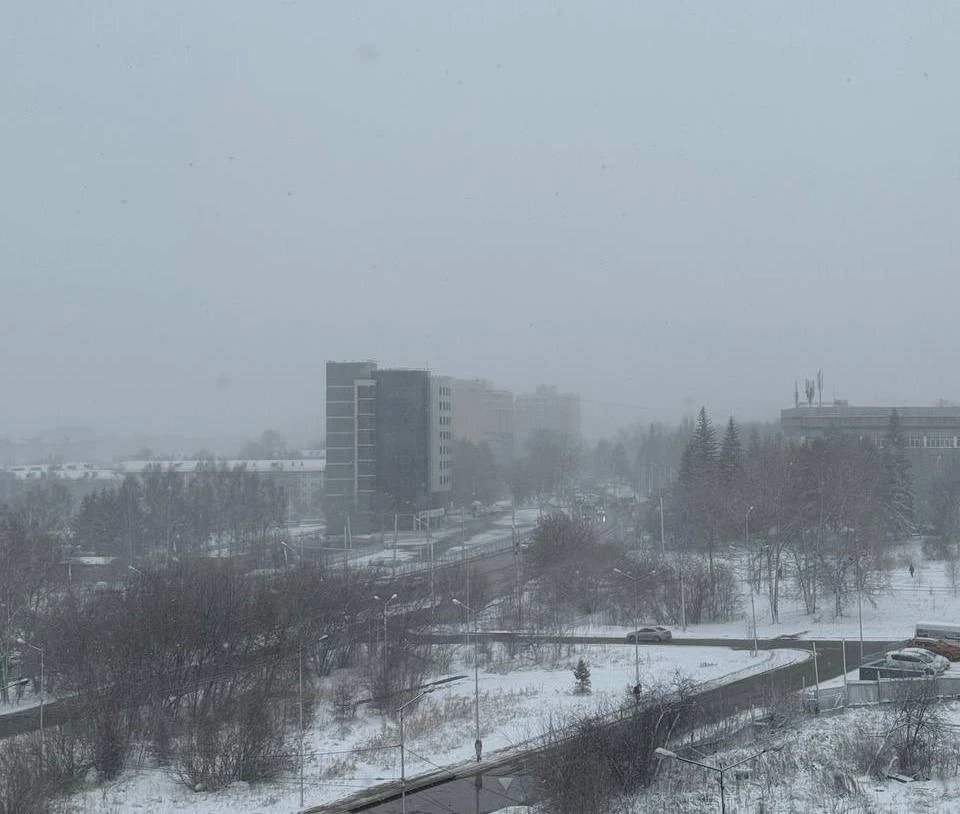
(949, 651)
(656, 633)
(916, 658)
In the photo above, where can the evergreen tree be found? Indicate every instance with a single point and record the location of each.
(581, 674)
(698, 493)
(731, 475)
(697, 482)
(898, 487)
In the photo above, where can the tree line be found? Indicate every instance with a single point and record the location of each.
(163, 513)
(824, 512)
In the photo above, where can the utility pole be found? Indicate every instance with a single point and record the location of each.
(753, 607)
(663, 545)
(477, 744)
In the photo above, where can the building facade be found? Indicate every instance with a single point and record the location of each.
(932, 434)
(932, 429)
(484, 415)
(546, 409)
(403, 438)
(442, 433)
(351, 444)
(388, 450)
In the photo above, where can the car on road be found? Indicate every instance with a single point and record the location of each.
(655, 633)
(916, 658)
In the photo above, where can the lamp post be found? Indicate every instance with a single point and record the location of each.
(385, 605)
(636, 619)
(477, 744)
(663, 545)
(666, 754)
(403, 776)
(753, 606)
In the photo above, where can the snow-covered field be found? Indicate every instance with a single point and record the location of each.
(518, 699)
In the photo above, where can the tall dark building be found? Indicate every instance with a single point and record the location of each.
(388, 450)
(403, 440)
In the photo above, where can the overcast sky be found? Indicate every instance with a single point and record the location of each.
(656, 205)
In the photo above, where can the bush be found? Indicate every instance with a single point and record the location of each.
(243, 741)
(29, 783)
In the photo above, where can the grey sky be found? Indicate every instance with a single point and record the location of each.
(646, 203)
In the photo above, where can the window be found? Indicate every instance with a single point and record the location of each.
(940, 442)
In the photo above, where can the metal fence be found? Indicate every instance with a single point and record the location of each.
(882, 691)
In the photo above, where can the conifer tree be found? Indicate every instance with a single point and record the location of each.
(897, 485)
(581, 674)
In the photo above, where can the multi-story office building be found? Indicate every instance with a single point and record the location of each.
(387, 442)
(546, 409)
(932, 433)
(932, 429)
(351, 443)
(485, 416)
(441, 435)
(403, 439)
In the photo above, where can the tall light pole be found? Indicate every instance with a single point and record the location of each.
(666, 754)
(636, 619)
(477, 744)
(753, 606)
(663, 545)
(403, 775)
(385, 606)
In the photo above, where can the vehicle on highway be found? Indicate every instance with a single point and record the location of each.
(655, 633)
(916, 658)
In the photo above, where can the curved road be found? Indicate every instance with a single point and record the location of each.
(494, 784)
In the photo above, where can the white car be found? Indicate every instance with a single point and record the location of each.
(916, 658)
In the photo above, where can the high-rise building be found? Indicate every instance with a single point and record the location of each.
(350, 481)
(441, 435)
(403, 439)
(546, 409)
(388, 450)
(484, 416)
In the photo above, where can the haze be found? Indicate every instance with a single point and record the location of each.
(654, 205)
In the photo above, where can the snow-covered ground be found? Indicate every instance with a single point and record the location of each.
(518, 698)
(517, 702)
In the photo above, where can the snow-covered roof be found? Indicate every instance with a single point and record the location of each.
(292, 465)
(70, 471)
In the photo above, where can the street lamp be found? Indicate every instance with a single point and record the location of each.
(403, 776)
(300, 702)
(477, 744)
(385, 605)
(666, 754)
(636, 618)
(753, 606)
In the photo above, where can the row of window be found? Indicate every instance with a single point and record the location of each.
(932, 441)
(445, 435)
(445, 391)
(446, 419)
(445, 406)
(444, 480)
